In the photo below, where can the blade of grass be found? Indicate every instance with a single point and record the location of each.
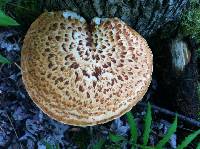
(198, 146)
(133, 127)
(188, 139)
(3, 4)
(6, 20)
(4, 60)
(147, 125)
(142, 147)
(116, 138)
(167, 136)
(57, 146)
(99, 144)
(48, 146)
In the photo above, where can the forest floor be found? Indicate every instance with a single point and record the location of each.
(24, 125)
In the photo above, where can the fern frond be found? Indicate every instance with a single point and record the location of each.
(167, 136)
(147, 125)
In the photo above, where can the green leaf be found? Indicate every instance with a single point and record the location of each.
(4, 60)
(99, 144)
(133, 127)
(142, 147)
(48, 146)
(116, 138)
(168, 135)
(6, 20)
(57, 146)
(188, 139)
(147, 125)
(198, 146)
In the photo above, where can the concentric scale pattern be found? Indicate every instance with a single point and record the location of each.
(82, 73)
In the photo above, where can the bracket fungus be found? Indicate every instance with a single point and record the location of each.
(83, 73)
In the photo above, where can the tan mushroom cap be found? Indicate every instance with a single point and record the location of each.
(84, 74)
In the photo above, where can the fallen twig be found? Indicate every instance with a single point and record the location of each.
(168, 112)
(18, 66)
(14, 129)
(2, 130)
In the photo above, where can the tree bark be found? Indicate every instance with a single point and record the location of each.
(145, 16)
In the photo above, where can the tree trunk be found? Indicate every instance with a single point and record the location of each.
(145, 16)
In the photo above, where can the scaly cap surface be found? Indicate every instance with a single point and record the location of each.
(84, 74)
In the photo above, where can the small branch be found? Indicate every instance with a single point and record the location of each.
(14, 129)
(2, 130)
(18, 66)
(168, 112)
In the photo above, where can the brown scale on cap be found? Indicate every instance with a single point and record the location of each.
(84, 74)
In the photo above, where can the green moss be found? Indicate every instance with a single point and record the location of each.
(198, 88)
(190, 22)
